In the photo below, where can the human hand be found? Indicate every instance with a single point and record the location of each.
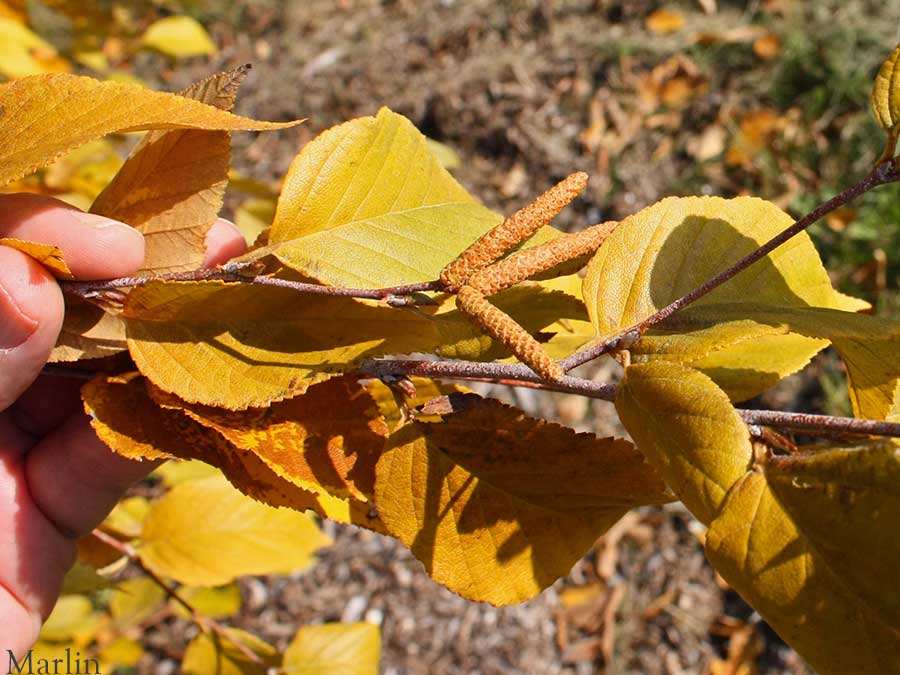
(57, 479)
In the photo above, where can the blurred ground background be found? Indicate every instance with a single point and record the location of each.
(768, 98)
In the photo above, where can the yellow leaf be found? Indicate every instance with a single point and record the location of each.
(846, 502)
(239, 345)
(886, 93)
(761, 553)
(216, 603)
(178, 471)
(206, 533)
(46, 102)
(172, 184)
(134, 601)
(444, 153)
(121, 652)
(88, 332)
(497, 505)
(178, 36)
(46, 254)
(213, 654)
(325, 440)
(670, 248)
(869, 346)
(84, 171)
(334, 649)
(127, 518)
(253, 216)
(73, 618)
(687, 428)
(664, 21)
(767, 523)
(367, 204)
(25, 53)
(83, 578)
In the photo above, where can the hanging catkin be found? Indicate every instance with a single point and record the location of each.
(515, 229)
(525, 264)
(502, 327)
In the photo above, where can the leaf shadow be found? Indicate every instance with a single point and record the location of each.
(697, 239)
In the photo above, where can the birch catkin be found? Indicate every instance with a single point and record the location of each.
(502, 327)
(525, 264)
(515, 229)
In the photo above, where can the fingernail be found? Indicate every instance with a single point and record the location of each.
(100, 222)
(15, 325)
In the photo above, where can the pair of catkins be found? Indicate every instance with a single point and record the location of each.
(479, 272)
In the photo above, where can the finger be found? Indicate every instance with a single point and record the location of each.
(31, 313)
(34, 556)
(224, 241)
(75, 479)
(93, 247)
(46, 404)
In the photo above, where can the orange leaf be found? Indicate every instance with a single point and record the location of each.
(664, 21)
(126, 418)
(69, 110)
(46, 254)
(325, 441)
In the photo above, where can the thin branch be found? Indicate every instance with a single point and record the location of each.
(206, 623)
(240, 272)
(883, 173)
(513, 375)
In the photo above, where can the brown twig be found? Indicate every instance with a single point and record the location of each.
(206, 623)
(883, 173)
(238, 272)
(516, 375)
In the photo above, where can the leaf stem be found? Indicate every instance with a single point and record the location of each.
(883, 173)
(205, 623)
(517, 375)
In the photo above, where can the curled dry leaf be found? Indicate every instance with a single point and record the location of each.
(325, 441)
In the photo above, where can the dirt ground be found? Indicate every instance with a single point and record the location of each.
(527, 92)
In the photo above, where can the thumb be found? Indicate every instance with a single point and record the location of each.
(31, 314)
